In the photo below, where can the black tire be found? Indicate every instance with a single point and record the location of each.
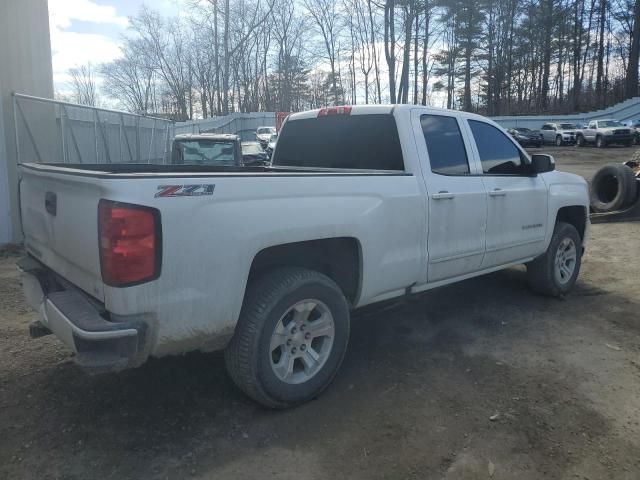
(580, 141)
(600, 142)
(559, 141)
(613, 187)
(541, 274)
(248, 356)
(636, 139)
(628, 143)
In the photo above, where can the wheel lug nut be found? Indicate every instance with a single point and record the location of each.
(288, 342)
(307, 336)
(303, 347)
(293, 330)
(293, 350)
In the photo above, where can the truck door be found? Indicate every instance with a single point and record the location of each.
(457, 201)
(517, 200)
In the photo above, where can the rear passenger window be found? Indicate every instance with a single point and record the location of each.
(445, 145)
(498, 154)
(341, 141)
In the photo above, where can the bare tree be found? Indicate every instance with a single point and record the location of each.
(84, 87)
(490, 56)
(325, 15)
(131, 79)
(165, 46)
(631, 78)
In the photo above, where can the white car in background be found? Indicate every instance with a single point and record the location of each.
(272, 144)
(263, 135)
(634, 125)
(558, 133)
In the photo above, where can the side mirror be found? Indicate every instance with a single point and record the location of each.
(542, 163)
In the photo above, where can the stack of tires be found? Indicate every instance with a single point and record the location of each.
(614, 187)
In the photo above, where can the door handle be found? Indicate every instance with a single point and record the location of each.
(497, 192)
(442, 195)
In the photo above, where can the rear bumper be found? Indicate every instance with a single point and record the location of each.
(98, 344)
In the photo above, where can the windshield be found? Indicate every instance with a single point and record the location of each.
(204, 152)
(567, 126)
(266, 130)
(609, 123)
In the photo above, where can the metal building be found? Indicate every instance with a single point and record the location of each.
(25, 66)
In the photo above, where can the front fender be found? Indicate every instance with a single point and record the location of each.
(565, 190)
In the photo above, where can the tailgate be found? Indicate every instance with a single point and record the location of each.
(59, 214)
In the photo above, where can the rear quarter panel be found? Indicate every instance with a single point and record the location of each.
(209, 243)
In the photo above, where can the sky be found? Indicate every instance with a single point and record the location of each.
(84, 31)
(91, 31)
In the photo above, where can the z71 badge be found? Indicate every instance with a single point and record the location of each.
(184, 190)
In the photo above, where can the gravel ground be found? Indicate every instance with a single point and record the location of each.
(477, 380)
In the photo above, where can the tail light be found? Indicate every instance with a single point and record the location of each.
(130, 243)
(329, 111)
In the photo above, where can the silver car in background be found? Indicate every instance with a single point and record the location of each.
(558, 133)
(634, 125)
(263, 135)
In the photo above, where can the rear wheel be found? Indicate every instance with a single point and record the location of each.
(290, 339)
(555, 272)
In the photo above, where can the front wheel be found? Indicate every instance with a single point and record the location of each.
(554, 273)
(290, 339)
(580, 141)
(600, 142)
(559, 141)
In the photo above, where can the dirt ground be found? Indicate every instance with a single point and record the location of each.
(477, 380)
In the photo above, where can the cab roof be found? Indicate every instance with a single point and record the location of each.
(383, 109)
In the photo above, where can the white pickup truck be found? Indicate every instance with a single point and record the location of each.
(362, 204)
(603, 133)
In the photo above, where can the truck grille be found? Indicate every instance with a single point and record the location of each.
(622, 131)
